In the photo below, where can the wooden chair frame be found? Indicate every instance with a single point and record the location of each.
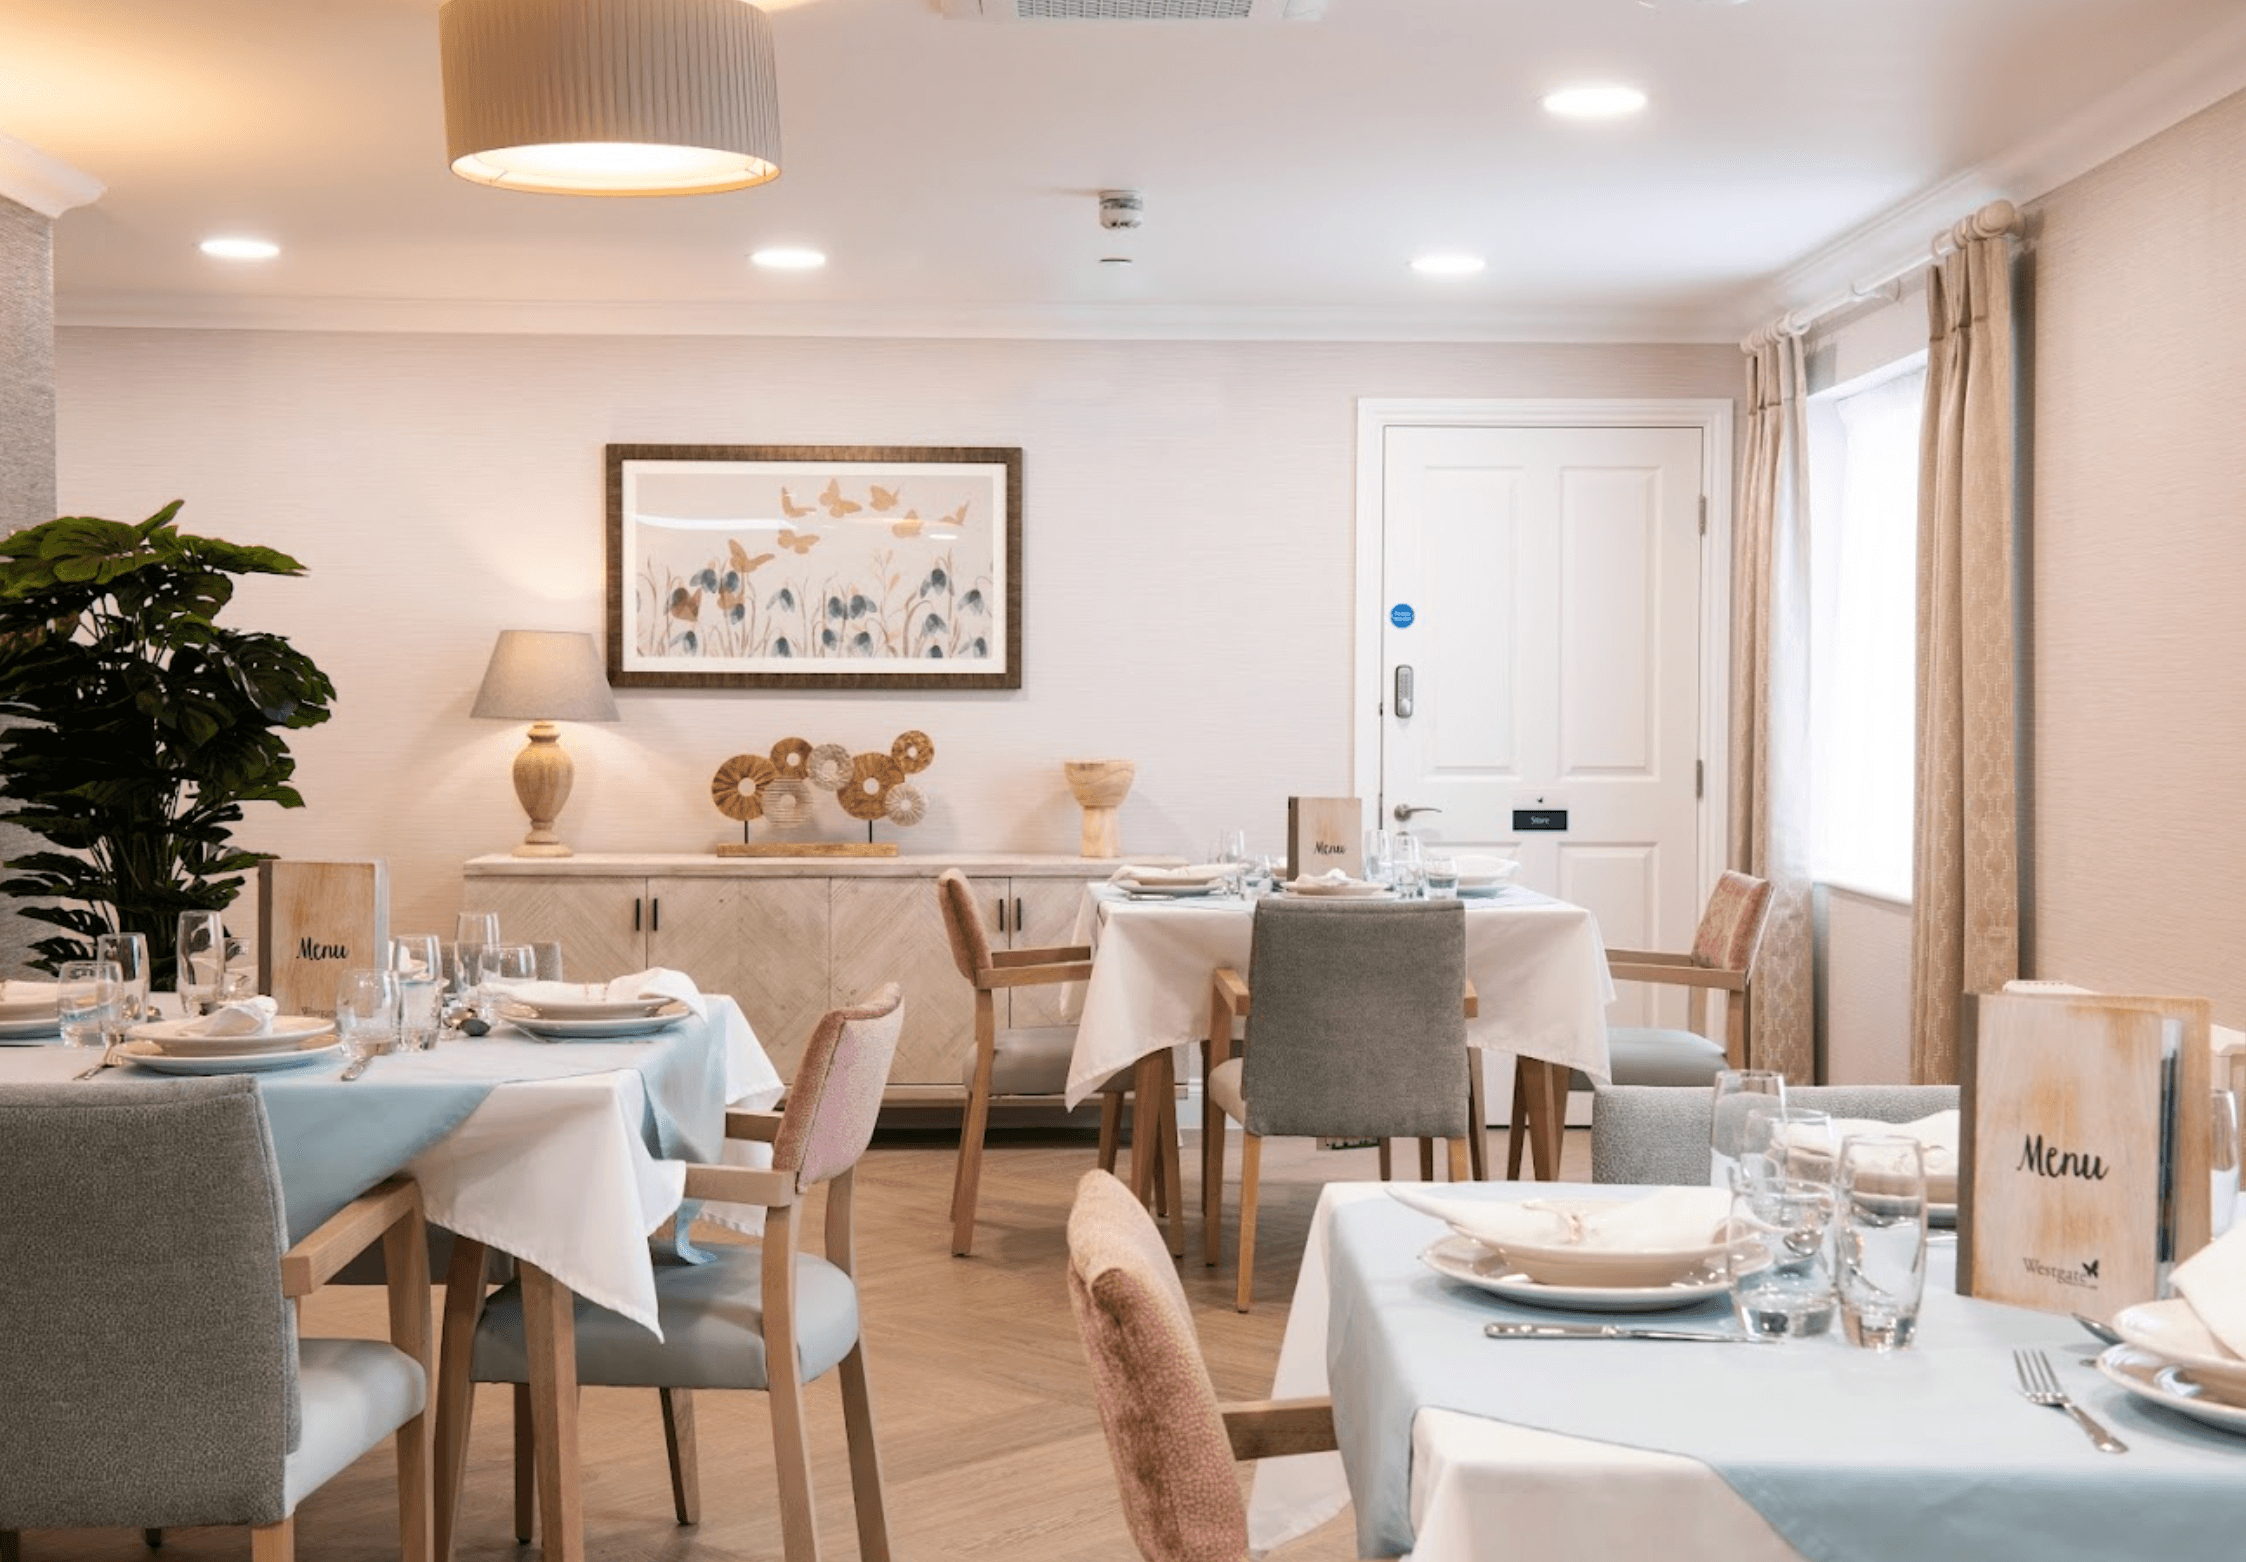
(1230, 1000)
(538, 1472)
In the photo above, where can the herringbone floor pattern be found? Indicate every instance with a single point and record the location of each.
(993, 1452)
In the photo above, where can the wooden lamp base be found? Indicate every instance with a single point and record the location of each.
(543, 774)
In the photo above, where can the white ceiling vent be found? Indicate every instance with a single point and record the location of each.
(1135, 10)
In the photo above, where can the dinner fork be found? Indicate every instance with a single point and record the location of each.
(2040, 1386)
(109, 1059)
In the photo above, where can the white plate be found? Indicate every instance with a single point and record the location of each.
(1165, 891)
(593, 1008)
(2171, 1329)
(144, 1054)
(1579, 1266)
(1465, 1260)
(1489, 877)
(286, 1032)
(30, 1033)
(2163, 1382)
(530, 1024)
(1354, 889)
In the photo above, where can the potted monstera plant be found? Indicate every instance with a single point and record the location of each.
(134, 726)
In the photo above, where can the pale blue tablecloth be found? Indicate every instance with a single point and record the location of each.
(1928, 1455)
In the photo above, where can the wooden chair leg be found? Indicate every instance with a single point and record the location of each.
(526, 1468)
(1251, 1163)
(1546, 1089)
(1111, 1128)
(866, 1490)
(456, 1385)
(1173, 1174)
(550, 1341)
(1146, 1124)
(1426, 1160)
(11, 1546)
(1477, 1126)
(153, 1539)
(1387, 1171)
(1516, 1131)
(274, 1542)
(1161, 1188)
(678, 1442)
(968, 1179)
(791, 1455)
(1212, 1184)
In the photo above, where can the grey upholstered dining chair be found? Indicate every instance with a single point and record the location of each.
(1172, 1444)
(1659, 1133)
(153, 1376)
(726, 1321)
(1356, 1017)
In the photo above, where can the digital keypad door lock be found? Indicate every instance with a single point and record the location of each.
(1403, 701)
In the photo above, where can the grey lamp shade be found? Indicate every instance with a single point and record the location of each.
(545, 675)
(610, 97)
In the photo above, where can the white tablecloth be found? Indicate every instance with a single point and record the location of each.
(1547, 1495)
(552, 1167)
(1538, 964)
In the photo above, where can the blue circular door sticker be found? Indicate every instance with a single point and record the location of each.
(1401, 615)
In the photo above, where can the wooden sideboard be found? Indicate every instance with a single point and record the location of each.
(792, 937)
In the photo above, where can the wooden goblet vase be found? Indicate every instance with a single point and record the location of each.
(1100, 785)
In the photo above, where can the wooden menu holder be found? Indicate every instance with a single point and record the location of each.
(1324, 833)
(316, 920)
(2083, 1147)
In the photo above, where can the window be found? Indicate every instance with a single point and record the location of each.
(1863, 441)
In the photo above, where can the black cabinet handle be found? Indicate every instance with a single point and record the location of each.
(635, 913)
(1002, 913)
(1017, 913)
(655, 914)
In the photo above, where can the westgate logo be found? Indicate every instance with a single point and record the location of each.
(2084, 1275)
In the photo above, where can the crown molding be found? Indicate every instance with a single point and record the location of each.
(1110, 322)
(47, 185)
(2155, 100)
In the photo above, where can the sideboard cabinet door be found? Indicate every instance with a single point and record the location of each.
(1042, 915)
(763, 941)
(892, 930)
(600, 923)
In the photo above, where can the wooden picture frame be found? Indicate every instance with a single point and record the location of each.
(814, 567)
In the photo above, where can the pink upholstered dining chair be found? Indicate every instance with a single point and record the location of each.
(727, 1322)
(1172, 1443)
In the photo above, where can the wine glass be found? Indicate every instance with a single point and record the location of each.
(1231, 854)
(129, 953)
(506, 965)
(477, 931)
(1742, 1095)
(1379, 845)
(416, 963)
(202, 961)
(366, 1011)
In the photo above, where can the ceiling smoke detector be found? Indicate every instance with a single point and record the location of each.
(1121, 208)
(1135, 10)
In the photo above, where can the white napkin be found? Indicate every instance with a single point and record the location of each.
(19, 990)
(1330, 876)
(1192, 873)
(241, 1017)
(1937, 1137)
(1667, 1220)
(2213, 1280)
(658, 981)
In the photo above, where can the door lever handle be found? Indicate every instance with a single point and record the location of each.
(1404, 811)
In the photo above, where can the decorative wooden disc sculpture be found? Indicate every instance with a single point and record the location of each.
(1100, 786)
(781, 791)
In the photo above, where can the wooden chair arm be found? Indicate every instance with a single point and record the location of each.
(1473, 1002)
(1680, 976)
(1059, 955)
(1647, 957)
(742, 1185)
(1227, 988)
(740, 1123)
(1274, 1428)
(347, 1233)
(1032, 975)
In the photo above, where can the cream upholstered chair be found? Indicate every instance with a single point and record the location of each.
(1355, 1030)
(1010, 1060)
(1172, 1444)
(726, 1322)
(152, 1376)
(1722, 960)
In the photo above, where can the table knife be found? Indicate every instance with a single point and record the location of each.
(1613, 1331)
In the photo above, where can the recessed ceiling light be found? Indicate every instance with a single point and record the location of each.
(1448, 265)
(788, 259)
(241, 249)
(1600, 102)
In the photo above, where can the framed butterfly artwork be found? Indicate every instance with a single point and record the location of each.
(814, 566)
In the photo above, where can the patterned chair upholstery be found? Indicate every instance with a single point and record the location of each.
(1659, 1134)
(153, 1376)
(726, 1323)
(1172, 1444)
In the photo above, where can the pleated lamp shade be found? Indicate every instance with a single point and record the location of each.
(610, 97)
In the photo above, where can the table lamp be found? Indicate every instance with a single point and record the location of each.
(544, 676)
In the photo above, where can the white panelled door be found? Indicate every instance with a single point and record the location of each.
(1542, 587)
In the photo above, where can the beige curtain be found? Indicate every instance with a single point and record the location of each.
(1770, 698)
(1965, 930)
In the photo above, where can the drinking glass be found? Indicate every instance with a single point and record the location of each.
(2222, 1161)
(506, 964)
(1231, 853)
(1778, 1254)
(366, 1011)
(1263, 874)
(202, 961)
(477, 931)
(1407, 868)
(1799, 1140)
(87, 1003)
(1879, 1191)
(1440, 873)
(415, 962)
(239, 979)
(129, 953)
(1379, 844)
(1741, 1094)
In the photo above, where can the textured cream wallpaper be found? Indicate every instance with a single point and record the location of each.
(2139, 569)
(1188, 528)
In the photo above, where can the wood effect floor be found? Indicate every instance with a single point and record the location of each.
(992, 1449)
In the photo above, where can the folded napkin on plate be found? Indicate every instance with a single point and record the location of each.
(1668, 1220)
(1192, 873)
(1937, 1137)
(18, 990)
(241, 1017)
(656, 982)
(2213, 1280)
(1330, 876)
(1477, 865)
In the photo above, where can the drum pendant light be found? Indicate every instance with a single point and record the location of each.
(610, 97)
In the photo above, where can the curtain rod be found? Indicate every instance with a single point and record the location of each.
(1995, 218)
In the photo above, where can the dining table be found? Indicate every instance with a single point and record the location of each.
(1770, 1451)
(565, 1156)
(1538, 965)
